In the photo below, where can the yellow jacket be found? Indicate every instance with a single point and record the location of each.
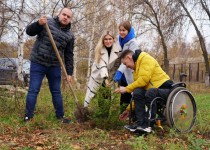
(147, 74)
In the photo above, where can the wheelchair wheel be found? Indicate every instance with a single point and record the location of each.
(181, 110)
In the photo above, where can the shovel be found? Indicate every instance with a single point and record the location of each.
(81, 113)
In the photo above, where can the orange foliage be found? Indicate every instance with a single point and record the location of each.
(7, 50)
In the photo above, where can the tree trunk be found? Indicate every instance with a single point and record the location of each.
(166, 61)
(202, 44)
(20, 44)
(91, 44)
(75, 66)
(158, 27)
(75, 62)
(204, 6)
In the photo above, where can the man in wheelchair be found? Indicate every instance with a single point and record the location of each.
(150, 81)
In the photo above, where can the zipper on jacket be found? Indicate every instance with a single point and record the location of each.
(151, 83)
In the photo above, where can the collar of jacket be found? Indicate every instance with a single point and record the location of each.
(128, 37)
(136, 55)
(68, 27)
(114, 49)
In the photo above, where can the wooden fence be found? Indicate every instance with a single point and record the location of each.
(191, 72)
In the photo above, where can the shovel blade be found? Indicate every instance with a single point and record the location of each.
(81, 114)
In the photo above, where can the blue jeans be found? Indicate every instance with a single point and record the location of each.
(37, 73)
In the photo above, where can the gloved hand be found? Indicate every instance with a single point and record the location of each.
(117, 76)
(124, 115)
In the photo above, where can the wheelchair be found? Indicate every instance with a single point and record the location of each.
(178, 111)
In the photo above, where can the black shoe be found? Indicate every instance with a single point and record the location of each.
(26, 119)
(64, 120)
(132, 127)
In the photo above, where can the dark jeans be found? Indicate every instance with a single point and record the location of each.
(53, 74)
(143, 98)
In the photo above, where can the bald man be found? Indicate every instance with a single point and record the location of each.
(44, 61)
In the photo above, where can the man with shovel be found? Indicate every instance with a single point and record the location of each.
(44, 61)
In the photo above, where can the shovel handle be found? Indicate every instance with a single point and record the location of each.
(61, 63)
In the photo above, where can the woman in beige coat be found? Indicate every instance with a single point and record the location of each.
(104, 66)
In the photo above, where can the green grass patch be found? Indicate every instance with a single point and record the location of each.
(103, 131)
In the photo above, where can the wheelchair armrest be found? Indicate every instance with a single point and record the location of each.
(178, 84)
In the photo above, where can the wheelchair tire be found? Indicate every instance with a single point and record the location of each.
(181, 110)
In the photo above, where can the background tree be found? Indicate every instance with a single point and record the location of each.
(160, 26)
(161, 16)
(201, 40)
(20, 40)
(205, 5)
(5, 16)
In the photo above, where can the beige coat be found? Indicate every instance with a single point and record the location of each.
(106, 68)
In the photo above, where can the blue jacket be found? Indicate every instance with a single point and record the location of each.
(129, 42)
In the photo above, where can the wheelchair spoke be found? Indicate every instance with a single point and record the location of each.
(181, 110)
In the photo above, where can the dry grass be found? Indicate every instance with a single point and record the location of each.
(45, 132)
(197, 87)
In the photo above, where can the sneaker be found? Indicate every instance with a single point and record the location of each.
(144, 129)
(131, 128)
(64, 120)
(26, 119)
